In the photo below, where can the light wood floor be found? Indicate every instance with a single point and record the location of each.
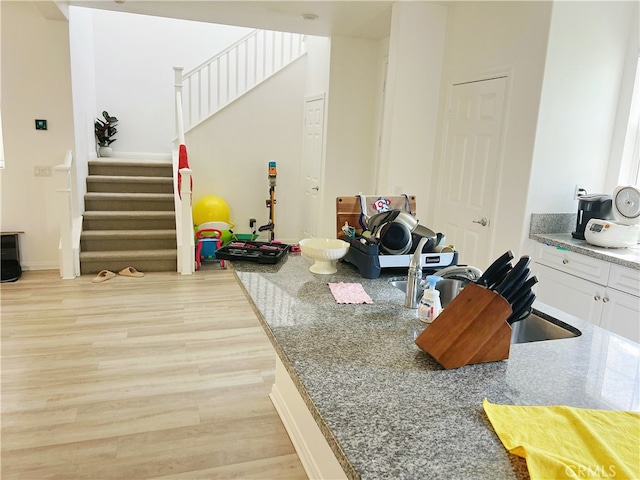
(165, 376)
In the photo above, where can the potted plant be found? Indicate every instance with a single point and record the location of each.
(105, 131)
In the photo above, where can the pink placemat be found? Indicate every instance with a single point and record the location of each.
(349, 293)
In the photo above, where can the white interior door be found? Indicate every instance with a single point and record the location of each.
(470, 168)
(312, 148)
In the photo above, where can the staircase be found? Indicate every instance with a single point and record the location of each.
(129, 217)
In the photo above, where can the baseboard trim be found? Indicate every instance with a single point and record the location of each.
(35, 266)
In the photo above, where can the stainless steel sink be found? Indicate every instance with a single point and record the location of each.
(535, 328)
(399, 284)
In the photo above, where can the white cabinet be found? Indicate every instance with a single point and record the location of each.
(621, 314)
(602, 293)
(570, 294)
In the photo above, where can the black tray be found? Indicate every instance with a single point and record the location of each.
(261, 252)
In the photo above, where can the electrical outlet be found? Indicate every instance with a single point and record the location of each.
(579, 191)
(41, 171)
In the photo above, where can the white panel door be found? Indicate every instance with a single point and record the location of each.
(312, 148)
(470, 168)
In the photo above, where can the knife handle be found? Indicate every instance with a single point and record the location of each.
(493, 280)
(517, 294)
(513, 287)
(514, 274)
(519, 310)
(494, 267)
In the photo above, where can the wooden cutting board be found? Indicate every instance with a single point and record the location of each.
(348, 210)
(473, 328)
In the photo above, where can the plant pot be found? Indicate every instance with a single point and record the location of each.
(105, 151)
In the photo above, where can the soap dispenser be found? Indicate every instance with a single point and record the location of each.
(430, 307)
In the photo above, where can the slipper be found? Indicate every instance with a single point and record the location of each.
(131, 272)
(103, 276)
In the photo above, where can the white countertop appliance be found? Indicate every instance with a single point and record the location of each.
(594, 205)
(625, 230)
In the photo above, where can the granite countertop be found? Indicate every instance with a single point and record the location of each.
(554, 229)
(387, 409)
(627, 257)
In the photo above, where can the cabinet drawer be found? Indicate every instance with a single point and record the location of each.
(625, 279)
(573, 263)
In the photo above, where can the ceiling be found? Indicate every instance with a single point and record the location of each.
(360, 19)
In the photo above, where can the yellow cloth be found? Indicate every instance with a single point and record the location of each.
(567, 442)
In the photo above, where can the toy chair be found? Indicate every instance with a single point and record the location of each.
(208, 240)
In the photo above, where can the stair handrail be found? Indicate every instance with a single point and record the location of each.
(182, 191)
(221, 53)
(69, 245)
(237, 69)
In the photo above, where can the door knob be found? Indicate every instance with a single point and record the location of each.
(483, 221)
(315, 188)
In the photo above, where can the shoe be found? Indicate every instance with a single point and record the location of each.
(103, 276)
(131, 272)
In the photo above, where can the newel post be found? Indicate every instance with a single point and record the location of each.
(63, 180)
(187, 256)
(177, 84)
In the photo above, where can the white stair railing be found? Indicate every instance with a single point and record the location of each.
(237, 69)
(70, 224)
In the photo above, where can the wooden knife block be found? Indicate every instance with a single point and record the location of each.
(472, 329)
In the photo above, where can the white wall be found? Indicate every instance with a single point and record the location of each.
(229, 153)
(621, 165)
(83, 82)
(350, 157)
(583, 72)
(416, 47)
(318, 64)
(488, 37)
(134, 56)
(36, 83)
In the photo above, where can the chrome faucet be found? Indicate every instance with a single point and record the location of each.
(414, 276)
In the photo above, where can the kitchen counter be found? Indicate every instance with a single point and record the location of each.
(627, 257)
(387, 409)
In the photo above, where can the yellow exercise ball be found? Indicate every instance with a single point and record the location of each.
(210, 209)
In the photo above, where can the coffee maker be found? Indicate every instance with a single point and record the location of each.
(595, 205)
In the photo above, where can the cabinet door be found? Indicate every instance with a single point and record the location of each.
(570, 294)
(621, 314)
(625, 279)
